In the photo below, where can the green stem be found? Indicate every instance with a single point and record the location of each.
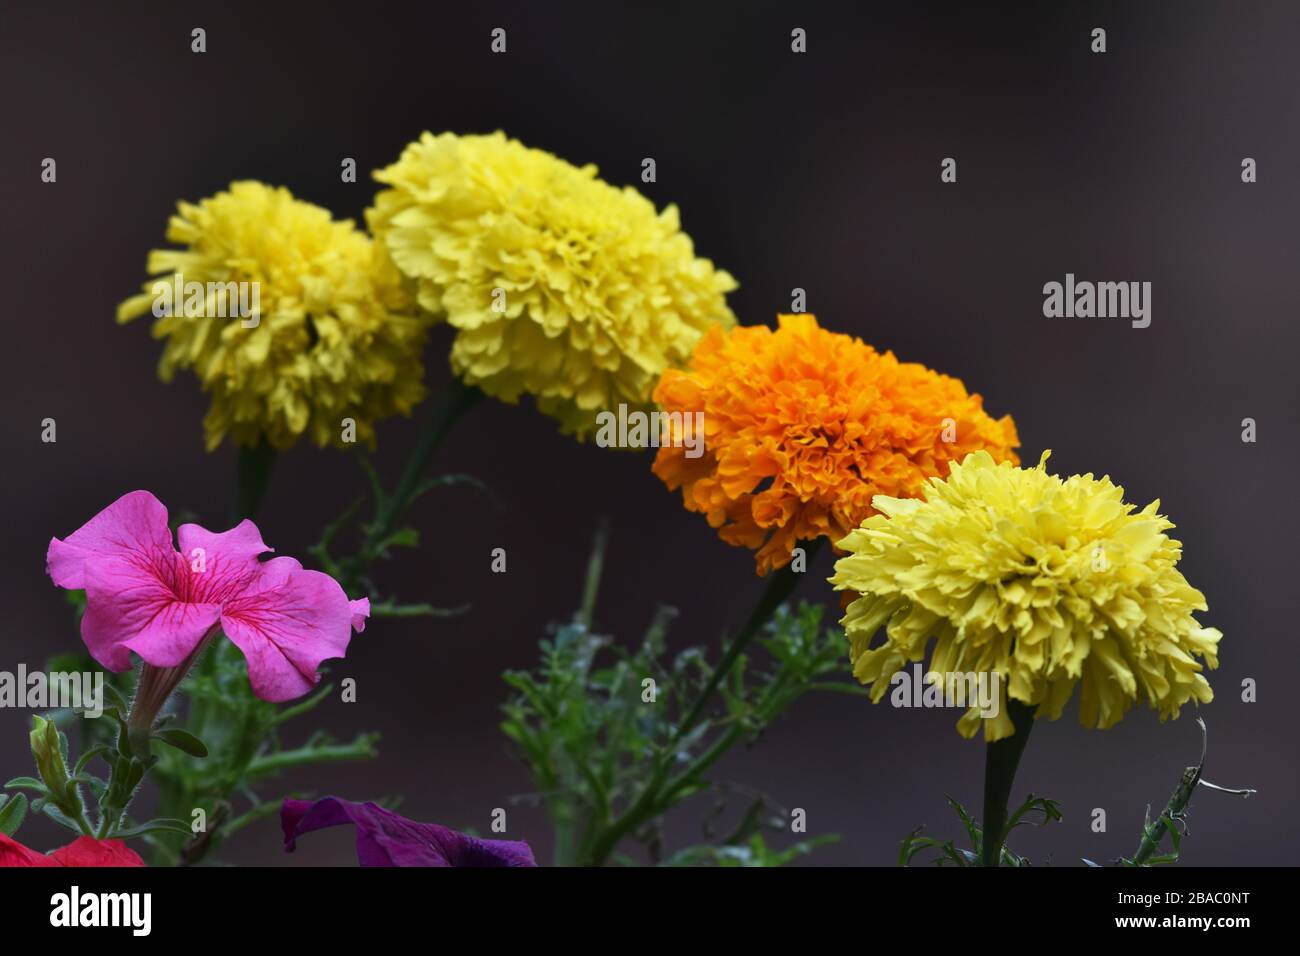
(258, 812)
(360, 749)
(595, 564)
(566, 836)
(456, 399)
(253, 475)
(1153, 833)
(779, 587)
(83, 822)
(700, 765)
(1000, 761)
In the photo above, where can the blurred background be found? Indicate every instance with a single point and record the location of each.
(818, 171)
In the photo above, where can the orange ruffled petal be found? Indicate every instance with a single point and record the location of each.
(803, 427)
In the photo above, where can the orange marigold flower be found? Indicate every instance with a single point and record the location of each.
(802, 427)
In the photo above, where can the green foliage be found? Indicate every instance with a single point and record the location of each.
(1174, 814)
(1152, 834)
(12, 812)
(382, 535)
(948, 853)
(242, 737)
(754, 853)
(610, 752)
(231, 747)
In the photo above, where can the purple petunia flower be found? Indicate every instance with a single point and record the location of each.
(385, 838)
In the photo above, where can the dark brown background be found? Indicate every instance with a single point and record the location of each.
(818, 171)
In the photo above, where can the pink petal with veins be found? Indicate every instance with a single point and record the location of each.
(286, 623)
(223, 564)
(134, 524)
(143, 596)
(133, 604)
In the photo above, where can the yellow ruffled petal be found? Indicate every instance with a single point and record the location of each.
(1048, 583)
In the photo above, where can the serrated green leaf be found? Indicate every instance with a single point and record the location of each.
(972, 828)
(910, 846)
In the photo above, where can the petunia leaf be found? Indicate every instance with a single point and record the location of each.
(12, 812)
(182, 740)
(26, 783)
(115, 698)
(153, 826)
(87, 757)
(59, 817)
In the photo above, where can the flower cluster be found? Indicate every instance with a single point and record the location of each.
(560, 285)
(1046, 582)
(335, 335)
(584, 296)
(803, 427)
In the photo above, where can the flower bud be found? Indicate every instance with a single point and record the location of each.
(47, 749)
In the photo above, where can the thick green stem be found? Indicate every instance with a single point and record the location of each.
(1000, 762)
(566, 836)
(253, 476)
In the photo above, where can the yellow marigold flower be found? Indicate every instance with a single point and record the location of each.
(803, 427)
(559, 284)
(1045, 582)
(335, 337)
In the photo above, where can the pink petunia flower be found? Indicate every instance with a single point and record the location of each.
(145, 597)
